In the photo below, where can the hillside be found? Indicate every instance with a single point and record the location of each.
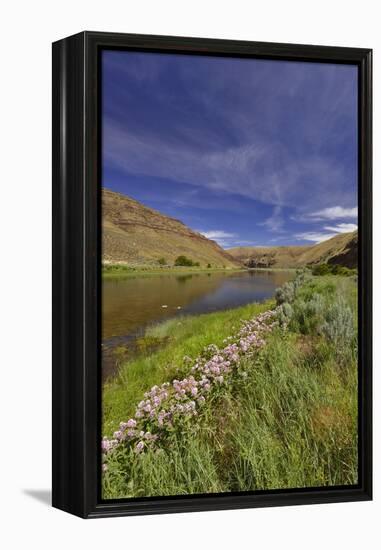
(138, 235)
(341, 249)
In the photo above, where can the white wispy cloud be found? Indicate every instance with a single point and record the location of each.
(342, 227)
(275, 222)
(314, 237)
(332, 213)
(226, 239)
(327, 232)
(223, 238)
(250, 166)
(217, 234)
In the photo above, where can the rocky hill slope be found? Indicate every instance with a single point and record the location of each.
(138, 235)
(341, 249)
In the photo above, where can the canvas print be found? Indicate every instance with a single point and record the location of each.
(229, 274)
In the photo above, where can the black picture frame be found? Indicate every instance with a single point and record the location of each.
(76, 273)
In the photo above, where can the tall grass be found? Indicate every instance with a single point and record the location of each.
(292, 422)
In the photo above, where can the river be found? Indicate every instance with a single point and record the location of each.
(130, 304)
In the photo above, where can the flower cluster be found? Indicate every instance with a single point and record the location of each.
(164, 407)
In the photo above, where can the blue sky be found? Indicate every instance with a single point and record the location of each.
(247, 152)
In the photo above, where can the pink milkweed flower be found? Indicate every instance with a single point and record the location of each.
(160, 418)
(139, 447)
(108, 444)
(105, 445)
(131, 423)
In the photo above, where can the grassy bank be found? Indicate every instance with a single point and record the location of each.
(178, 338)
(121, 270)
(291, 421)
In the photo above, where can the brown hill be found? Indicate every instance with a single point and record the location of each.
(138, 235)
(341, 249)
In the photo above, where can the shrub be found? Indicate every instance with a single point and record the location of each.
(208, 266)
(308, 315)
(338, 326)
(285, 314)
(332, 269)
(287, 292)
(162, 261)
(183, 261)
(301, 276)
(342, 270)
(284, 294)
(321, 269)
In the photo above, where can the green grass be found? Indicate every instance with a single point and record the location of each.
(297, 422)
(124, 270)
(183, 336)
(291, 423)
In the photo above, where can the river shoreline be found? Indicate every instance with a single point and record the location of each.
(124, 271)
(134, 305)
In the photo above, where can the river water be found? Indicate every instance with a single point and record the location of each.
(130, 304)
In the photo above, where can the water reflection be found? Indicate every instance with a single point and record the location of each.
(183, 278)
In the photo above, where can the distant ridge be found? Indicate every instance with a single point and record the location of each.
(341, 250)
(136, 234)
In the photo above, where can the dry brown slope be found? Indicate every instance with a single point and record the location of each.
(138, 235)
(341, 249)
